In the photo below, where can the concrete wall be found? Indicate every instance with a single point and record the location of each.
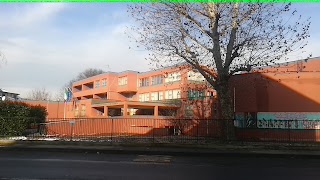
(275, 90)
(55, 109)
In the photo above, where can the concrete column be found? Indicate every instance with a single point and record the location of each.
(156, 112)
(106, 111)
(125, 109)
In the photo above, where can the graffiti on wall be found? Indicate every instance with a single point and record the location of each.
(289, 124)
(288, 120)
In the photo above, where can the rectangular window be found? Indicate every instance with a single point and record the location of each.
(157, 80)
(166, 94)
(83, 110)
(155, 96)
(170, 95)
(172, 77)
(196, 95)
(104, 83)
(173, 94)
(195, 76)
(144, 97)
(97, 84)
(144, 82)
(76, 112)
(160, 95)
(122, 81)
(176, 94)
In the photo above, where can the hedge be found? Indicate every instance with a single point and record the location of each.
(16, 117)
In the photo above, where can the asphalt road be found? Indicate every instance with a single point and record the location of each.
(81, 165)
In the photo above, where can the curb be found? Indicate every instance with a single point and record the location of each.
(169, 151)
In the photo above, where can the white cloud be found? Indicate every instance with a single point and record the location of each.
(29, 15)
(43, 55)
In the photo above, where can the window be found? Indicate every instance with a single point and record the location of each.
(97, 84)
(173, 94)
(155, 96)
(122, 81)
(83, 110)
(196, 95)
(144, 82)
(160, 95)
(172, 77)
(176, 94)
(76, 112)
(157, 80)
(195, 76)
(144, 97)
(104, 83)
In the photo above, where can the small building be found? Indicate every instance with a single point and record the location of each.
(8, 96)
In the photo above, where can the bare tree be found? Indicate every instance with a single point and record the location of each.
(219, 40)
(82, 75)
(39, 94)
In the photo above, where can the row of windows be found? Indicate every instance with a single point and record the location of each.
(82, 112)
(103, 84)
(121, 81)
(157, 96)
(155, 80)
(173, 77)
(159, 79)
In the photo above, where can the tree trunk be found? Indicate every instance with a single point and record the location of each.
(226, 110)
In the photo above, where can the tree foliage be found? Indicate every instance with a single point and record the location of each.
(16, 117)
(219, 40)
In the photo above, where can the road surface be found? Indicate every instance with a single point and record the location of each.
(82, 165)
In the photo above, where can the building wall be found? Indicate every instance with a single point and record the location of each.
(55, 109)
(133, 86)
(291, 88)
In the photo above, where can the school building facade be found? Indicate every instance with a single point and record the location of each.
(162, 93)
(277, 98)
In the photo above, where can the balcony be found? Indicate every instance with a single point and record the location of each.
(126, 89)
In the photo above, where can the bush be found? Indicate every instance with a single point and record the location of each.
(39, 113)
(16, 117)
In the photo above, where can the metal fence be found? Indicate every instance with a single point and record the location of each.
(149, 130)
(132, 130)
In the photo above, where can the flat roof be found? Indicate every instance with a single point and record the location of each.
(131, 72)
(8, 92)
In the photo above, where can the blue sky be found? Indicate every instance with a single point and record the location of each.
(46, 45)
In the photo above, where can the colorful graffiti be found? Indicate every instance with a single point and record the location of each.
(289, 124)
(288, 115)
(288, 120)
(279, 120)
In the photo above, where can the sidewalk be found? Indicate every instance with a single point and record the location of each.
(243, 149)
